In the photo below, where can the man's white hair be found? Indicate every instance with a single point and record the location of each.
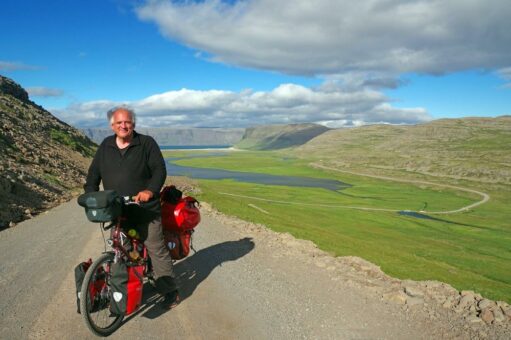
(110, 113)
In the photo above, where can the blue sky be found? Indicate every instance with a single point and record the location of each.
(243, 63)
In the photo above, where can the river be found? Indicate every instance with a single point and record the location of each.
(259, 178)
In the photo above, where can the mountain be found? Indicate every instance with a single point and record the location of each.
(179, 136)
(476, 149)
(41, 158)
(272, 137)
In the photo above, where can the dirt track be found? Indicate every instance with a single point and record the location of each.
(244, 282)
(485, 196)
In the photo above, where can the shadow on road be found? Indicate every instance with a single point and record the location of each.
(192, 271)
(196, 268)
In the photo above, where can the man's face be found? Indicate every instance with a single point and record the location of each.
(122, 124)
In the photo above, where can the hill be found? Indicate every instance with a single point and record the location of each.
(41, 159)
(272, 137)
(180, 136)
(474, 149)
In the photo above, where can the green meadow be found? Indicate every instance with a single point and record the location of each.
(469, 250)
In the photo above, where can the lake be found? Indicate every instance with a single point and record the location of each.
(193, 147)
(217, 174)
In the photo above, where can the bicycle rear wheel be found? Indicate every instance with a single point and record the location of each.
(95, 298)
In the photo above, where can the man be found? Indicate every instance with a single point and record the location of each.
(132, 165)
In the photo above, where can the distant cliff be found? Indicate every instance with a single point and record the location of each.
(270, 137)
(180, 136)
(41, 157)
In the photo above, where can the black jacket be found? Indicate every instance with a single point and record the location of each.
(141, 168)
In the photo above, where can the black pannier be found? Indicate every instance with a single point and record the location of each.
(101, 206)
(80, 271)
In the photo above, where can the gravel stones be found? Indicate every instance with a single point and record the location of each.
(485, 303)
(42, 158)
(436, 301)
(399, 297)
(466, 301)
(487, 316)
(413, 291)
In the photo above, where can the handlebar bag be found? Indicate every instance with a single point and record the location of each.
(101, 206)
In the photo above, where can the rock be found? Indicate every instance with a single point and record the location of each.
(6, 185)
(448, 303)
(472, 318)
(483, 335)
(466, 301)
(467, 292)
(502, 304)
(414, 301)
(439, 298)
(499, 315)
(413, 291)
(395, 297)
(320, 264)
(433, 284)
(485, 303)
(487, 316)
(41, 157)
(9, 87)
(12, 224)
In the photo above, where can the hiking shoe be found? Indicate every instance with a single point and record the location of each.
(171, 300)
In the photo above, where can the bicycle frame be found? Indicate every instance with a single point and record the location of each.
(121, 244)
(96, 289)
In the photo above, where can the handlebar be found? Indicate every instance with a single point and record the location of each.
(125, 200)
(129, 200)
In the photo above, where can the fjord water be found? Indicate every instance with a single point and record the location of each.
(194, 147)
(259, 178)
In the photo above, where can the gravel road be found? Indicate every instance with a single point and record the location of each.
(242, 283)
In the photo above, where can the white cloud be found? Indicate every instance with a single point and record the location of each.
(15, 66)
(288, 103)
(44, 92)
(89, 114)
(325, 37)
(505, 73)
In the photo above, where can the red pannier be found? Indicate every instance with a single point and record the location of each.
(126, 285)
(178, 244)
(134, 288)
(178, 213)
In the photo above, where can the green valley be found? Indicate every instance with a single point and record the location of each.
(470, 250)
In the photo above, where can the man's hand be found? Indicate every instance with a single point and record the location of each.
(144, 196)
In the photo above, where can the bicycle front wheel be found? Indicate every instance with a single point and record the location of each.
(95, 298)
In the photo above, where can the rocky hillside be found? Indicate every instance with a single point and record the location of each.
(272, 137)
(475, 149)
(180, 136)
(41, 158)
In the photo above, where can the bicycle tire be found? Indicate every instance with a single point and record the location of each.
(95, 298)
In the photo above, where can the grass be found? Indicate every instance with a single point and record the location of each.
(52, 179)
(470, 250)
(75, 142)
